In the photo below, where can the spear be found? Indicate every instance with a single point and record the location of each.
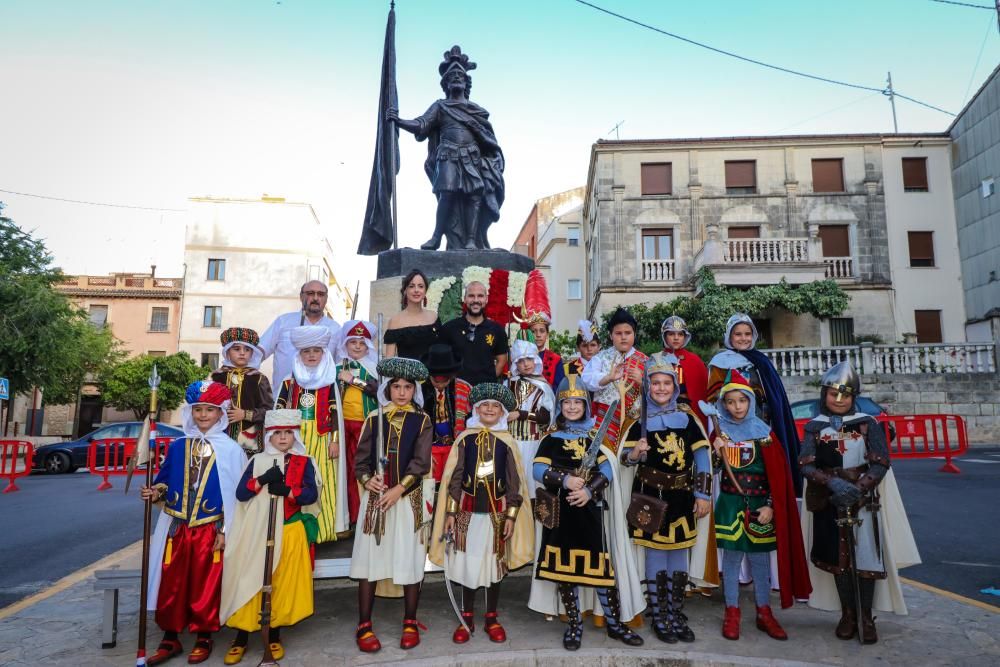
(140, 456)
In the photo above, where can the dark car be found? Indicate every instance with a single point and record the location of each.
(60, 457)
(803, 411)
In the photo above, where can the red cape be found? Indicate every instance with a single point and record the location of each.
(694, 379)
(793, 570)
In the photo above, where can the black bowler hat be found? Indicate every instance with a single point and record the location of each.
(440, 359)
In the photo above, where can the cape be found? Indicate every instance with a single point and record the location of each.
(694, 381)
(782, 422)
(521, 548)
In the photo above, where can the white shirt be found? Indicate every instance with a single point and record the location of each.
(599, 366)
(277, 341)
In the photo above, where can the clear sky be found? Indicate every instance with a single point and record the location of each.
(149, 103)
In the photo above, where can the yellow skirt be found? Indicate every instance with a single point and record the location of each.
(292, 583)
(318, 446)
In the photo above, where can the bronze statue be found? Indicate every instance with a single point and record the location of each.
(464, 162)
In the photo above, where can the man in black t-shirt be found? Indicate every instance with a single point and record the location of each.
(481, 343)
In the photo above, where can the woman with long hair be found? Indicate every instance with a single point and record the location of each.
(413, 329)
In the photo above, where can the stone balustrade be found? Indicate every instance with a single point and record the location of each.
(885, 359)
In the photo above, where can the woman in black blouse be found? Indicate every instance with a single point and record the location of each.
(414, 329)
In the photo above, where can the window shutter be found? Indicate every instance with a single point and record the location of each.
(915, 174)
(657, 178)
(741, 174)
(828, 175)
(836, 240)
(921, 248)
(743, 232)
(928, 326)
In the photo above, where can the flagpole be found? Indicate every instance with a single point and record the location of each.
(392, 142)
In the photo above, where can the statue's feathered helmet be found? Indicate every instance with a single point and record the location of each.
(453, 58)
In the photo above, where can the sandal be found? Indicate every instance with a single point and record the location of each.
(201, 651)
(167, 649)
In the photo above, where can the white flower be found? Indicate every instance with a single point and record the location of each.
(436, 290)
(480, 274)
(516, 282)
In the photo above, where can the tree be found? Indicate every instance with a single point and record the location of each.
(706, 313)
(562, 342)
(125, 386)
(45, 340)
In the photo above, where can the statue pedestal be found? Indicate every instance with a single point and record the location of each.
(394, 264)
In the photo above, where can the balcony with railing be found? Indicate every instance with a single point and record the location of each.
(658, 270)
(122, 285)
(880, 359)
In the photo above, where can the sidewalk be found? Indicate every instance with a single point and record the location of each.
(63, 629)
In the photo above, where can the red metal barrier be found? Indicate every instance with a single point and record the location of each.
(11, 451)
(921, 437)
(109, 457)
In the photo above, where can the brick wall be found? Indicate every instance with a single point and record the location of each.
(973, 396)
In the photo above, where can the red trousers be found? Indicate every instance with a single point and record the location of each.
(190, 581)
(352, 433)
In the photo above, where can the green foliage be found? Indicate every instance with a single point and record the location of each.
(125, 386)
(562, 342)
(707, 312)
(45, 340)
(451, 302)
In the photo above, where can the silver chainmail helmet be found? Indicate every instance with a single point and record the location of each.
(843, 379)
(675, 323)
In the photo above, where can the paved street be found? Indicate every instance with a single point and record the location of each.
(57, 524)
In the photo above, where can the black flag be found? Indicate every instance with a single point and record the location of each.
(377, 233)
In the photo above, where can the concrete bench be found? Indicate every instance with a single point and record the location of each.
(112, 581)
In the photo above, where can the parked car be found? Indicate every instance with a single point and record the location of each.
(803, 411)
(62, 457)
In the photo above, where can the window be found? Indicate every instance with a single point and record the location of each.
(657, 244)
(574, 289)
(99, 316)
(828, 175)
(657, 178)
(210, 359)
(741, 177)
(928, 325)
(157, 353)
(573, 236)
(314, 272)
(213, 317)
(841, 331)
(836, 241)
(743, 232)
(216, 269)
(159, 319)
(987, 187)
(921, 248)
(914, 174)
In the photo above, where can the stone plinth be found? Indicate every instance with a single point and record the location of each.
(394, 264)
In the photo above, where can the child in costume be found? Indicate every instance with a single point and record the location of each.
(671, 465)
(587, 345)
(283, 470)
(616, 373)
(756, 512)
(312, 389)
(446, 402)
(390, 544)
(692, 372)
(535, 404)
(482, 491)
(845, 458)
(537, 319)
(358, 388)
(251, 390)
(584, 540)
(196, 487)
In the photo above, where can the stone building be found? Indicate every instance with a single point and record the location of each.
(975, 158)
(758, 209)
(551, 235)
(245, 261)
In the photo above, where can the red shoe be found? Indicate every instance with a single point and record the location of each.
(461, 635)
(201, 651)
(167, 649)
(769, 624)
(365, 636)
(731, 623)
(411, 635)
(494, 630)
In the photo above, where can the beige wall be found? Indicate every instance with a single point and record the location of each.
(129, 319)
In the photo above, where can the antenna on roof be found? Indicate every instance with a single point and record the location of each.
(620, 123)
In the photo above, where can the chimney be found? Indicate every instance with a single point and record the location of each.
(152, 270)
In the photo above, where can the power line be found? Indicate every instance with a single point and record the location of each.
(964, 4)
(93, 203)
(972, 75)
(786, 70)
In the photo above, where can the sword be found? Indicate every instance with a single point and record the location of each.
(449, 542)
(590, 456)
(848, 520)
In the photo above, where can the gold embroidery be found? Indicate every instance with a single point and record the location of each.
(489, 339)
(672, 448)
(576, 447)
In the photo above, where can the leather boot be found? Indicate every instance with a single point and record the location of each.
(574, 630)
(769, 624)
(848, 625)
(868, 633)
(731, 623)
(611, 603)
(678, 620)
(661, 611)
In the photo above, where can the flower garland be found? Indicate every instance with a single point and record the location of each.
(436, 291)
(473, 274)
(516, 282)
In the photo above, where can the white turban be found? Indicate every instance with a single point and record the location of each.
(310, 336)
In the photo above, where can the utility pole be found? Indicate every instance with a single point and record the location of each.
(892, 97)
